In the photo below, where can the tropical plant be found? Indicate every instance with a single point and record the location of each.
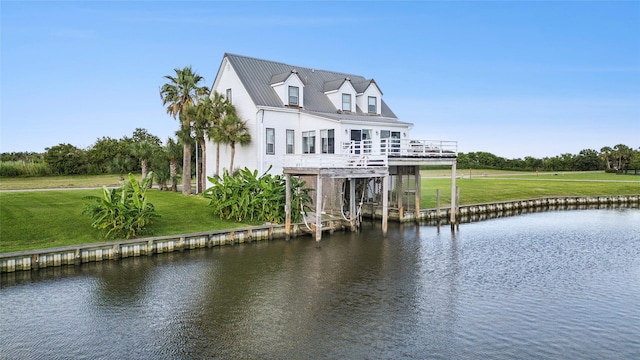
(122, 212)
(623, 154)
(245, 197)
(605, 154)
(174, 152)
(178, 94)
(144, 151)
(221, 107)
(202, 122)
(233, 131)
(160, 164)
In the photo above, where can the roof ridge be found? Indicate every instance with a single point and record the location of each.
(295, 66)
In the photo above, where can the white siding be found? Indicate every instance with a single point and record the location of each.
(282, 89)
(254, 155)
(336, 96)
(246, 110)
(363, 99)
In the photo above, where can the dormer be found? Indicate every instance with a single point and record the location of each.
(289, 87)
(369, 97)
(342, 94)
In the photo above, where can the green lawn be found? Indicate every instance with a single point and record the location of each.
(59, 182)
(40, 219)
(503, 186)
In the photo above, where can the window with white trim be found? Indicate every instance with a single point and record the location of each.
(271, 141)
(346, 102)
(294, 92)
(290, 141)
(389, 141)
(228, 97)
(373, 105)
(309, 142)
(327, 138)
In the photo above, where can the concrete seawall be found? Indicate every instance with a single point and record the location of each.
(464, 212)
(114, 250)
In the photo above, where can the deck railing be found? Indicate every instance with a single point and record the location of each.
(374, 153)
(402, 147)
(334, 160)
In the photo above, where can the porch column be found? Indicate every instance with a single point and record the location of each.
(287, 206)
(318, 209)
(352, 203)
(452, 218)
(417, 193)
(385, 204)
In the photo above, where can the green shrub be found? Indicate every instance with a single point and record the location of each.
(246, 197)
(66, 159)
(122, 212)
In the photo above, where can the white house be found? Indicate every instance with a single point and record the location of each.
(333, 127)
(297, 110)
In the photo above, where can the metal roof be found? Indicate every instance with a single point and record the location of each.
(257, 75)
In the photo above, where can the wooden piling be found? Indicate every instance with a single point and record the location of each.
(318, 209)
(287, 207)
(385, 204)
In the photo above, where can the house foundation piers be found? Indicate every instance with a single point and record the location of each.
(347, 184)
(339, 193)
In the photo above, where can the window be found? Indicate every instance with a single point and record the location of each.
(290, 143)
(327, 137)
(373, 105)
(361, 140)
(346, 102)
(389, 140)
(293, 95)
(271, 141)
(309, 142)
(229, 95)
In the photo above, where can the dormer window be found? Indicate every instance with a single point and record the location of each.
(290, 88)
(294, 91)
(346, 102)
(373, 105)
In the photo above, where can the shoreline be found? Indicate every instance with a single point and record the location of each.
(32, 260)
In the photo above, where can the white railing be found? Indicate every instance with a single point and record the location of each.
(374, 153)
(334, 160)
(402, 147)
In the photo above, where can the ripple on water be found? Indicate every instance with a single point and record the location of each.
(544, 285)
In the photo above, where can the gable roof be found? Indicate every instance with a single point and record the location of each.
(257, 75)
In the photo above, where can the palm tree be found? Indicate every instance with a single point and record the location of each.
(623, 153)
(221, 107)
(178, 94)
(233, 131)
(201, 120)
(143, 150)
(605, 154)
(174, 152)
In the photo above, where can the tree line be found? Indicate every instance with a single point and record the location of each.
(140, 153)
(611, 159)
(202, 116)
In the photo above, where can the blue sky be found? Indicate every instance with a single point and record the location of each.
(512, 78)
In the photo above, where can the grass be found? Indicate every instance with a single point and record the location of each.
(503, 186)
(58, 182)
(41, 219)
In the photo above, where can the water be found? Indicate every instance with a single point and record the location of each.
(543, 285)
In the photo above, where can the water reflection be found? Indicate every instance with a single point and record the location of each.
(543, 285)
